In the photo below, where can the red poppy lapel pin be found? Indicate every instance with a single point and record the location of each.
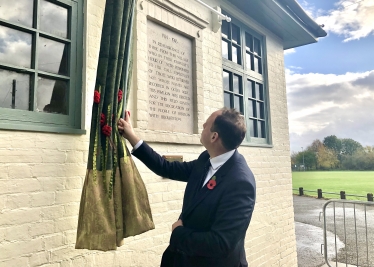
(212, 183)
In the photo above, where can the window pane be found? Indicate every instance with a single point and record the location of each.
(225, 29)
(235, 34)
(52, 96)
(225, 49)
(236, 84)
(238, 103)
(248, 42)
(260, 110)
(259, 94)
(226, 81)
(257, 46)
(261, 129)
(259, 67)
(255, 64)
(227, 100)
(14, 90)
(19, 11)
(249, 59)
(53, 56)
(248, 88)
(15, 47)
(253, 90)
(251, 108)
(236, 56)
(252, 128)
(53, 19)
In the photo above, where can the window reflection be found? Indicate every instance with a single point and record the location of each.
(248, 42)
(236, 83)
(225, 49)
(19, 11)
(15, 47)
(52, 96)
(259, 129)
(257, 47)
(238, 103)
(14, 90)
(235, 55)
(251, 105)
(258, 91)
(235, 34)
(226, 81)
(255, 65)
(53, 19)
(227, 100)
(252, 127)
(225, 29)
(53, 56)
(249, 61)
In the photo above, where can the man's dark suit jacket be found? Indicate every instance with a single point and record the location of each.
(214, 220)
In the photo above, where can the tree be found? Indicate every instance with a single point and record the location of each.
(327, 158)
(360, 161)
(316, 144)
(333, 143)
(308, 157)
(314, 147)
(350, 146)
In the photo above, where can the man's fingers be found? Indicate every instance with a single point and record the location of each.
(127, 116)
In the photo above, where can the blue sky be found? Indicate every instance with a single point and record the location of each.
(330, 84)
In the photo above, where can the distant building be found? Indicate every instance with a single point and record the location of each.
(47, 77)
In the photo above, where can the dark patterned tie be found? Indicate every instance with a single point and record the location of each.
(205, 172)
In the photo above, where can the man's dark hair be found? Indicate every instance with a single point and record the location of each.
(231, 128)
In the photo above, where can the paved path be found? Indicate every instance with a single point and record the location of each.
(309, 234)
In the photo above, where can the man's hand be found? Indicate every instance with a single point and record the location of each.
(126, 129)
(176, 224)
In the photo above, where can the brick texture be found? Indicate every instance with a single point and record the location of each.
(41, 174)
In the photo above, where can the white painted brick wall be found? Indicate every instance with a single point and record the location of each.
(41, 174)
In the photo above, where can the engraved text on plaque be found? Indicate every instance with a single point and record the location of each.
(170, 87)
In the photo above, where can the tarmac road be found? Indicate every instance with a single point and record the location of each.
(309, 233)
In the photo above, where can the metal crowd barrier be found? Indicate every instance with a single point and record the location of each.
(349, 226)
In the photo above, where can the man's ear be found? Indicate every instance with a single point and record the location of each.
(215, 137)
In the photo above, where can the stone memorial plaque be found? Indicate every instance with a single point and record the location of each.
(170, 87)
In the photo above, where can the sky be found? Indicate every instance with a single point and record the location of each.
(330, 84)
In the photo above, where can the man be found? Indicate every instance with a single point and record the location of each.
(219, 196)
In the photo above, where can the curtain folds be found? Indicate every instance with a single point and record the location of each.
(114, 202)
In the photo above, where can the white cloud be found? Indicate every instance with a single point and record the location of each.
(351, 19)
(328, 104)
(308, 8)
(295, 68)
(289, 51)
(15, 47)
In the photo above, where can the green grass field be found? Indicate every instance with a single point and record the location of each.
(352, 182)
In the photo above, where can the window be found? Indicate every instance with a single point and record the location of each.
(243, 78)
(40, 65)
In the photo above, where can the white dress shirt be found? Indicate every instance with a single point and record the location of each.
(216, 163)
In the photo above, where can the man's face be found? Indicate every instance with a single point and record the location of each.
(206, 134)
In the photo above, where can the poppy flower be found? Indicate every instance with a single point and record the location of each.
(212, 183)
(106, 130)
(102, 119)
(120, 94)
(96, 97)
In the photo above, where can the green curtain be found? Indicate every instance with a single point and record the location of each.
(114, 202)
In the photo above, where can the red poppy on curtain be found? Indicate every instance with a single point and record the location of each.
(114, 202)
